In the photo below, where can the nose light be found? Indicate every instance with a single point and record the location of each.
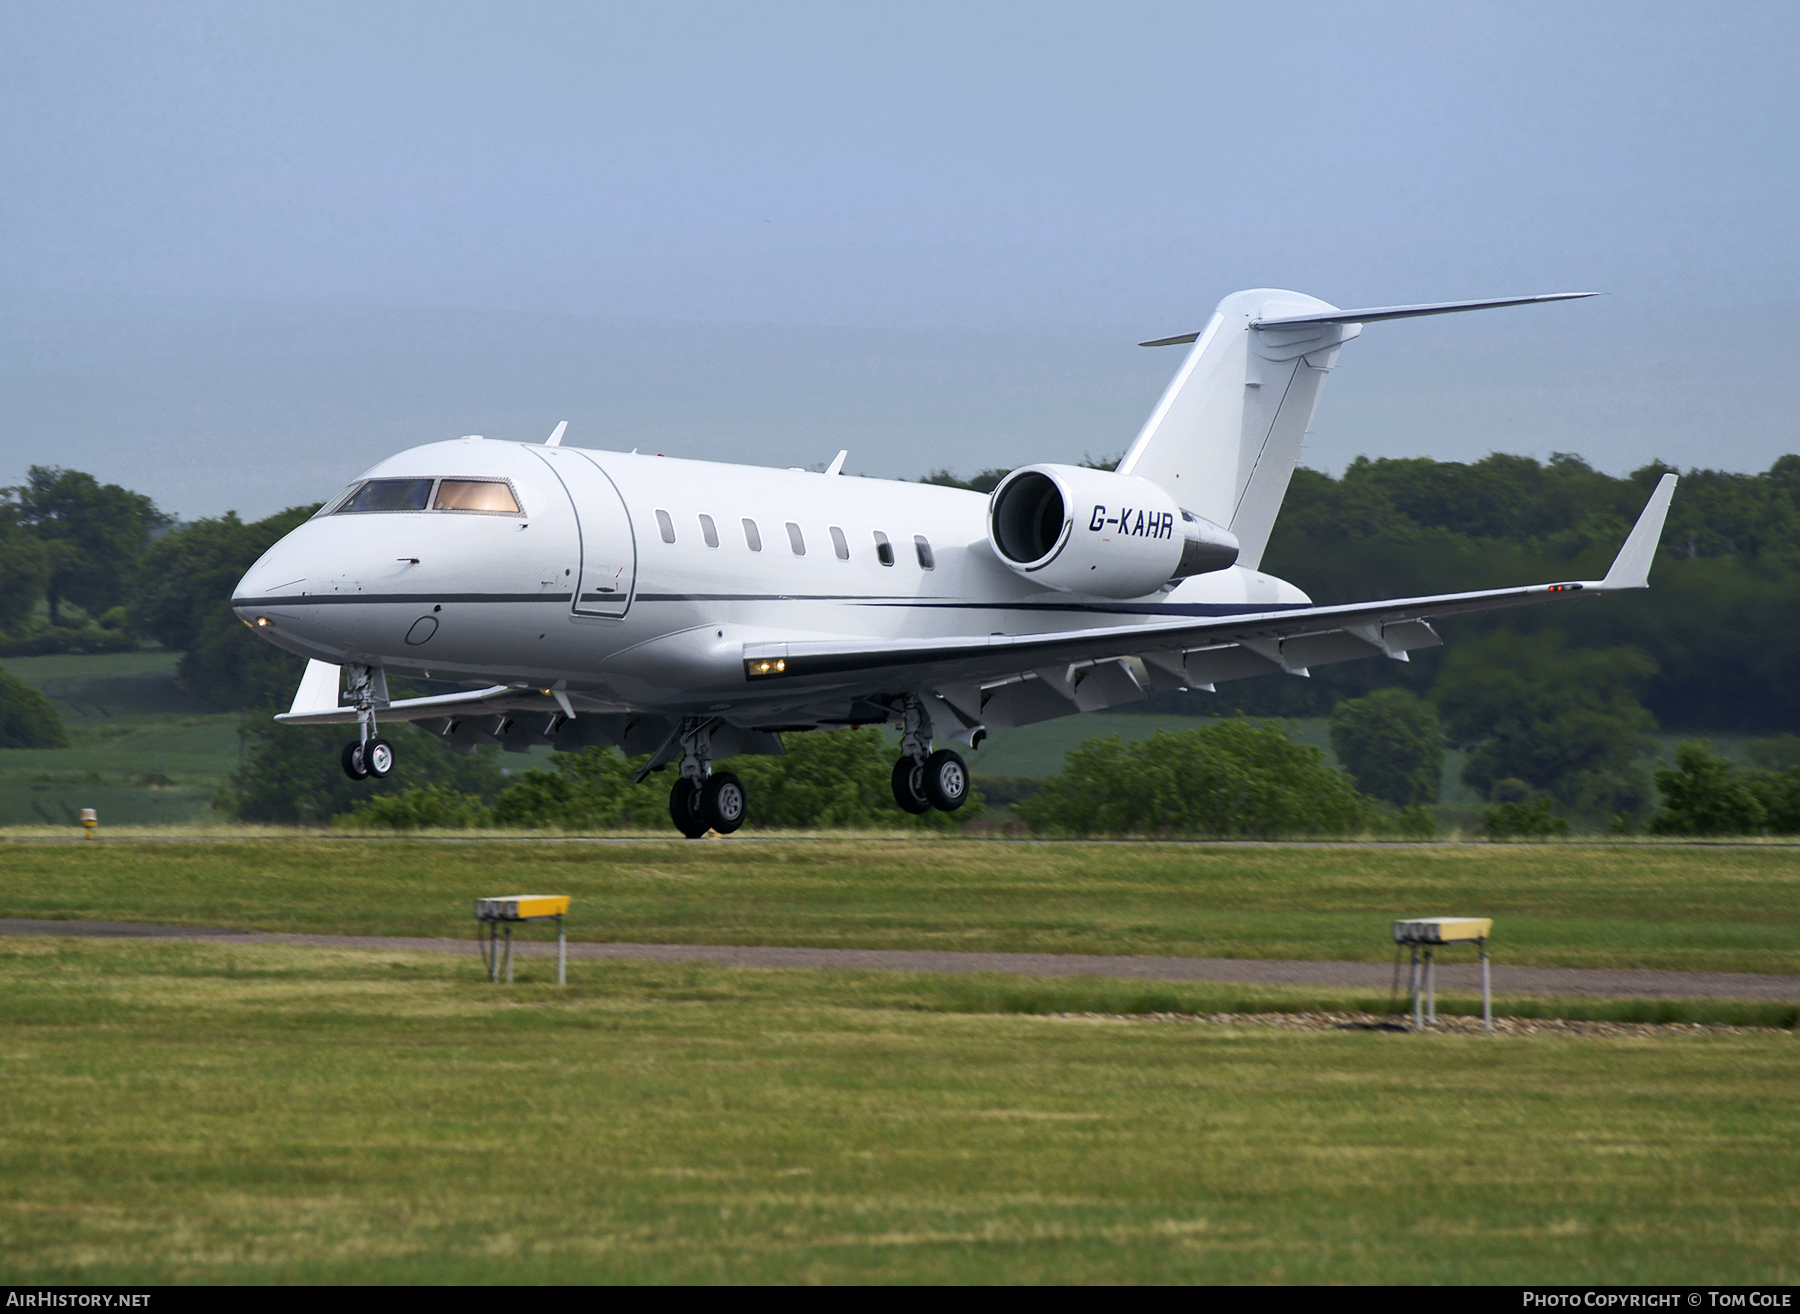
(263, 622)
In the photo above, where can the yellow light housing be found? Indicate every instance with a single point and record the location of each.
(263, 622)
(760, 667)
(520, 907)
(1442, 930)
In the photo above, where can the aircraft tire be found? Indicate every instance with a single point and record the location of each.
(684, 809)
(946, 780)
(723, 801)
(353, 762)
(378, 757)
(909, 787)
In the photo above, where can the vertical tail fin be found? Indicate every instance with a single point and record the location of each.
(1225, 436)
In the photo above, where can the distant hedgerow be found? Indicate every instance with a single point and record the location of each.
(1233, 779)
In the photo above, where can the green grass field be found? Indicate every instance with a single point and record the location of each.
(141, 749)
(185, 1113)
(1650, 906)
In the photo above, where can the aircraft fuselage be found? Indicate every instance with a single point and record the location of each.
(582, 588)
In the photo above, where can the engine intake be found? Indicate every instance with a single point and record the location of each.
(1095, 532)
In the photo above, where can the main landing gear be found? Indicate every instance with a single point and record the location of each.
(704, 799)
(369, 754)
(922, 779)
(373, 758)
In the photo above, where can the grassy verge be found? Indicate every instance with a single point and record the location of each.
(182, 1113)
(1628, 906)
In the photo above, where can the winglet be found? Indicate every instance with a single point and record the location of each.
(837, 463)
(1631, 568)
(318, 691)
(555, 439)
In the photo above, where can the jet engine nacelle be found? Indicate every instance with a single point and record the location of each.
(1091, 531)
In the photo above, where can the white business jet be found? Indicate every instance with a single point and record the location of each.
(691, 610)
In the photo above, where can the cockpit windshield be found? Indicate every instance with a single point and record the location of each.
(485, 496)
(390, 495)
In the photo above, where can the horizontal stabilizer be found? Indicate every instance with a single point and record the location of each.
(1376, 314)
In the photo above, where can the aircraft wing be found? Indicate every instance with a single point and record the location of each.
(1000, 681)
(320, 706)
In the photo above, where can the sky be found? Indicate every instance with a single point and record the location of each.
(247, 250)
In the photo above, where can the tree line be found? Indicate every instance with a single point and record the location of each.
(1552, 705)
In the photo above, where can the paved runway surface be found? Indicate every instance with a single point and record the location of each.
(1452, 975)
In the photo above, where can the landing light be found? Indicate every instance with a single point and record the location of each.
(263, 622)
(761, 666)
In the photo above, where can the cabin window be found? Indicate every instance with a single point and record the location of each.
(923, 548)
(666, 525)
(486, 495)
(884, 550)
(708, 531)
(751, 537)
(391, 495)
(839, 544)
(794, 540)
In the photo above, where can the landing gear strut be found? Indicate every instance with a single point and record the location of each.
(369, 755)
(704, 799)
(923, 779)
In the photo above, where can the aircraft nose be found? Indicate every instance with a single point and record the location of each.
(292, 568)
(276, 574)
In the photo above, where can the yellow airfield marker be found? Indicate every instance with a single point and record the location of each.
(1427, 934)
(500, 910)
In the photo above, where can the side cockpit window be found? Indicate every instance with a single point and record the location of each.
(336, 504)
(488, 495)
(493, 497)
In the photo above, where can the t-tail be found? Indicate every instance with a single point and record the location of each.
(1224, 439)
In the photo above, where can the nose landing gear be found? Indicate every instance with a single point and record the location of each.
(369, 755)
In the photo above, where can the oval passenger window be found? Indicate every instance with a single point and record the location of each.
(926, 560)
(794, 539)
(838, 545)
(708, 531)
(666, 525)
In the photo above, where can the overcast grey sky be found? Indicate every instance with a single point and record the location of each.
(247, 250)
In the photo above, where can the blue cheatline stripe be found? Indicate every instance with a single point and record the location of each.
(1220, 609)
(414, 599)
